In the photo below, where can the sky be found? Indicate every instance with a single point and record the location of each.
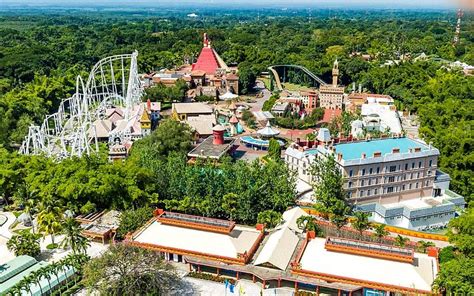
(395, 4)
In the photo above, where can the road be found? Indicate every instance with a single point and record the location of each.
(258, 105)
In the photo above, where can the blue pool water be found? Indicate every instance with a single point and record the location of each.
(354, 150)
(257, 142)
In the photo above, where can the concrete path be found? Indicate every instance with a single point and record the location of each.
(5, 228)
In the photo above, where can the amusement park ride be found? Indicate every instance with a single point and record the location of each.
(112, 82)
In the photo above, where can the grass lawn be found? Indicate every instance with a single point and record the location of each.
(295, 87)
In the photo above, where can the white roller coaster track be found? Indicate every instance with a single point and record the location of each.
(113, 81)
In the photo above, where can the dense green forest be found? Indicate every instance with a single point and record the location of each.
(40, 55)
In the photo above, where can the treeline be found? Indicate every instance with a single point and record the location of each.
(41, 55)
(444, 102)
(157, 174)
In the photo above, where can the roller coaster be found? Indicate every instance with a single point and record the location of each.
(299, 74)
(70, 131)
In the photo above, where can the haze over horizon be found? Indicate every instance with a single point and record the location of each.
(386, 4)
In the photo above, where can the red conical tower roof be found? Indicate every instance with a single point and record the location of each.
(207, 60)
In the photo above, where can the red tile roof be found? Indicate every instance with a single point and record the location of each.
(329, 114)
(206, 61)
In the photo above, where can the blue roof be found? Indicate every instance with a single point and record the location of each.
(354, 150)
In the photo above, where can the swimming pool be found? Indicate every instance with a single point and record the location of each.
(249, 140)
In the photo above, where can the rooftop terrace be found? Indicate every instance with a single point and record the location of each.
(417, 276)
(355, 150)
(196, 222)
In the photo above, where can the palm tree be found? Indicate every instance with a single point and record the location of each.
(15, 290)
(27, 199)
(422, 246)
(49, 223)
(25, 284)
(62, 266)
(361, 222)
(73, 237)
(47, 275)
(54, 268)
(401, 241)
(380, 231)
(36, 278)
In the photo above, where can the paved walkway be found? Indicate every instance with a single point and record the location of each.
(4, 229)
(243, 287)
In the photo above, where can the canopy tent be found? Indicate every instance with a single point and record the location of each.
(228, 96)
(268, 131)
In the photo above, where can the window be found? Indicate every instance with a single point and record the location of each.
(412, 165)
(403, 187)
(431, 162)
(416, 185)
(378, 170)
(349, 185)
(429, 173)
(419, 164)
(389, 189)
(370, 182)
(418, 175)
(427, 183)
(361, 182)
(375, 191)
(361, 193)
(409, 186)
(368, 192)
(363, 172)
(350, 194)
(371, 171)
(350, 173)
(391, 179)
(406, 166)
(393, 168)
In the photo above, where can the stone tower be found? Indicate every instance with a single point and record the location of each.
(335, 73)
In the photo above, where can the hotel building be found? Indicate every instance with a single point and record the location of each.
(395, 179)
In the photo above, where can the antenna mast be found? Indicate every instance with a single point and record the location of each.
(458, 28)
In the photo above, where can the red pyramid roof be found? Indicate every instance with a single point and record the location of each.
(234, 119)
(206, 61)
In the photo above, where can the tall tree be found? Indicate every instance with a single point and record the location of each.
(380, 231)
(73, 237)
(127, 270)
(274, 150)
(170, 136)
(131, 220)
(270, 218)
(328, 186)
(361, 222)
(49, 223)
(307, 223)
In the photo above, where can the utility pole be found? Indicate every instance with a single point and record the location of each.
(458, 28)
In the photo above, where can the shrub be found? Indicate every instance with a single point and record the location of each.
(131, 220)
(89, 207)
